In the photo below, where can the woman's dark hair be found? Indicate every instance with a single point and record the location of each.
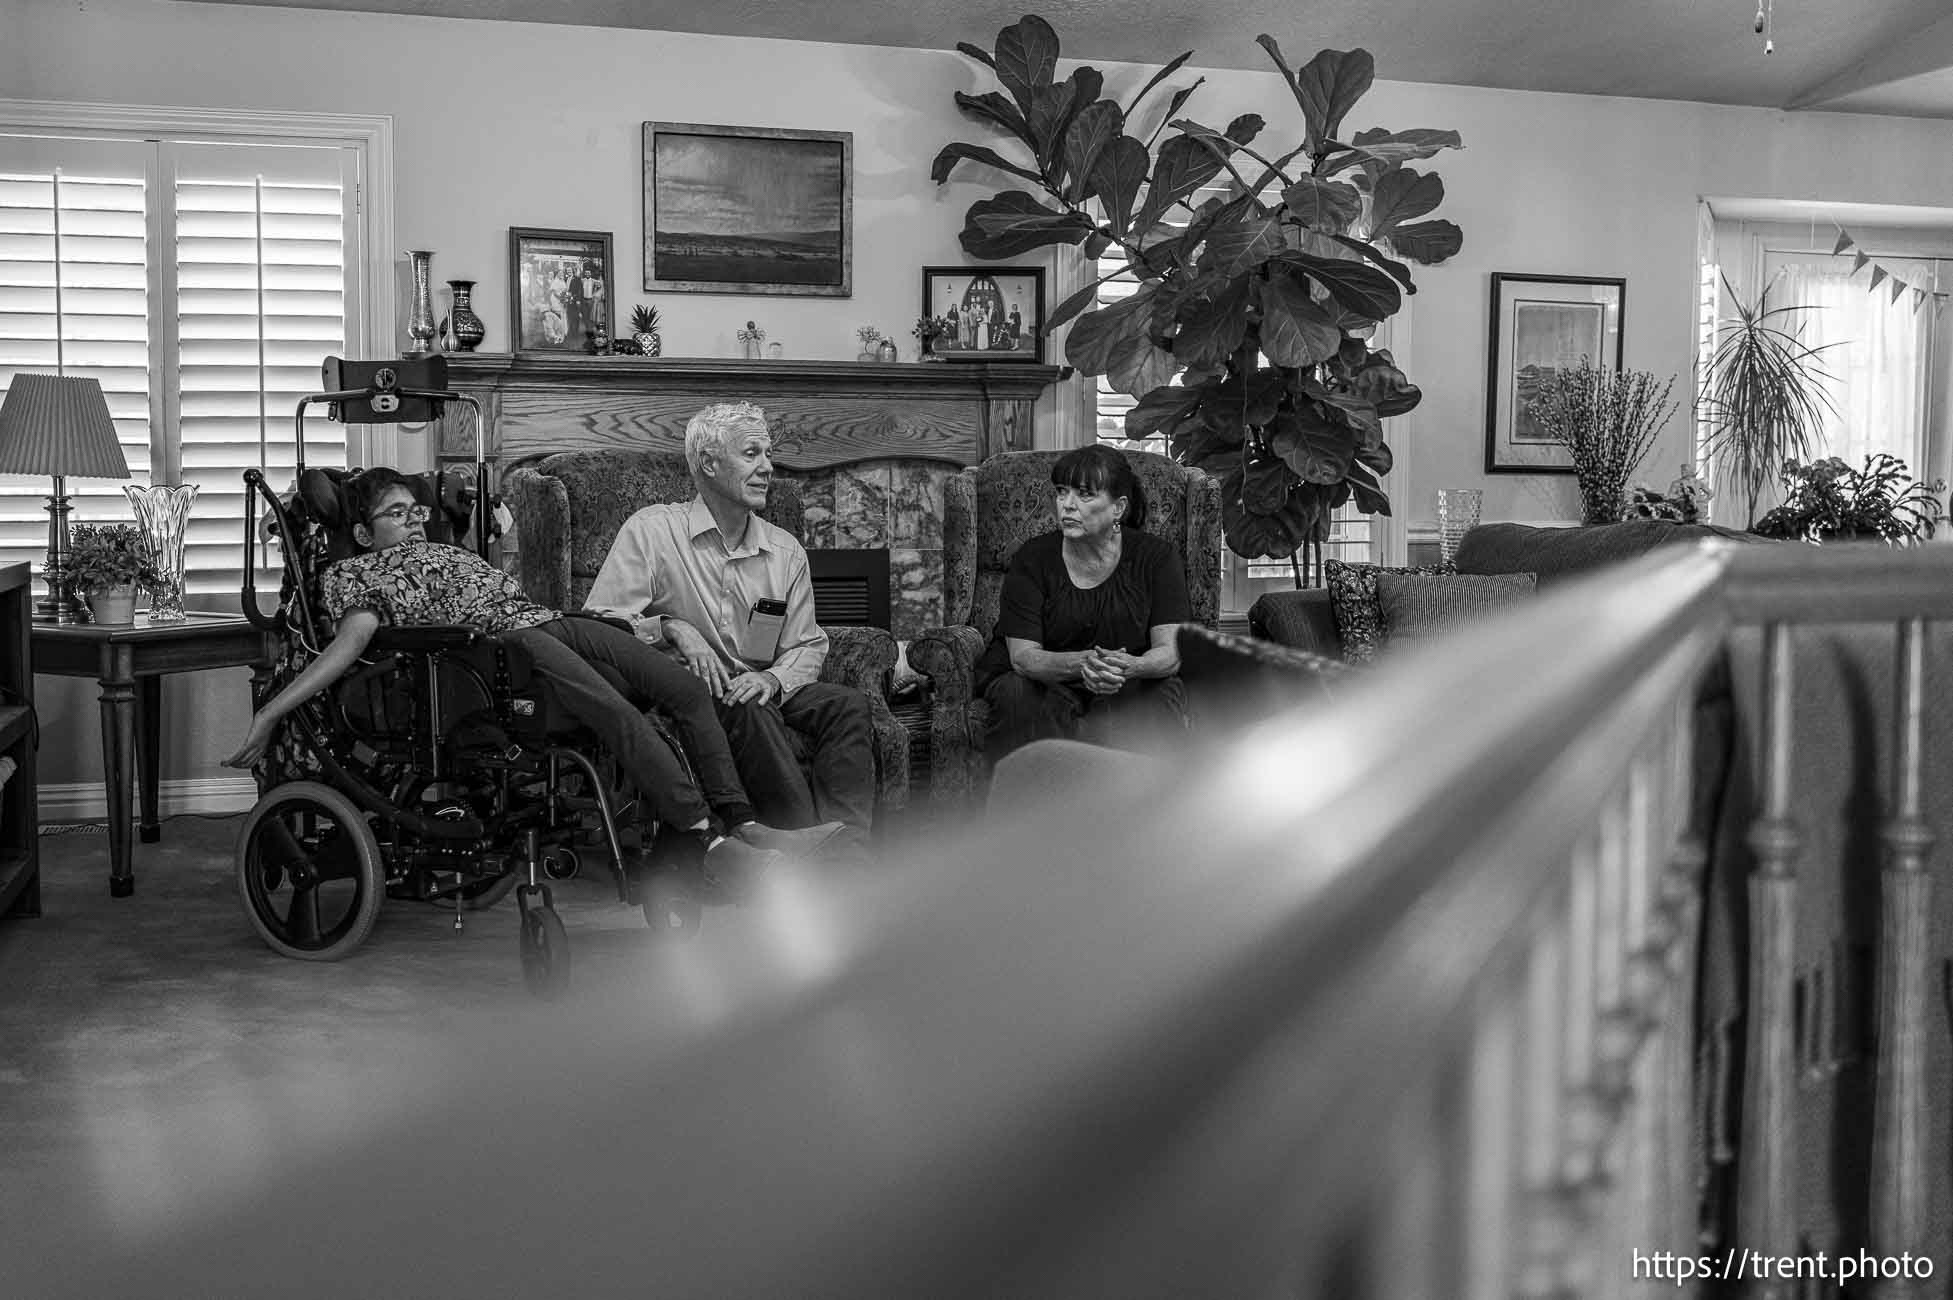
(1099, 468)
(364, 491)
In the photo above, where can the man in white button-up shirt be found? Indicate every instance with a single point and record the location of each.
(729, 594)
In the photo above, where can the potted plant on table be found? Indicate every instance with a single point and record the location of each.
(108, 563)
(1831, 501)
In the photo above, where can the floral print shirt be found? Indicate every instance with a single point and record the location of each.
(423, 582)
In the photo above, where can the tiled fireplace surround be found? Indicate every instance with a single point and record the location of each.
(870, 444)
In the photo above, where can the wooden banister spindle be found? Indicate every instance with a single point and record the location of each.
(1548, 1211)
(1766, 1186)
(1900, 1129)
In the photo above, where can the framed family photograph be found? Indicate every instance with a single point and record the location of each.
(988, 313)
(559, 288)
(737, 209)
(1542, 324)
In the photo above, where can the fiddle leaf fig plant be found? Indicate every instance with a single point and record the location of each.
(1257, 299)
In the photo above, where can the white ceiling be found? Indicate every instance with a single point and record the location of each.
(1878, 56)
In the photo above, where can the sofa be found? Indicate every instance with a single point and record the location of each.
(568, 508)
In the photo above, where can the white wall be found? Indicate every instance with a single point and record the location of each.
(500, 124)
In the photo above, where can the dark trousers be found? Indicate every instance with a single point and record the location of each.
(1148, 714)
(565, 651)
(839, 736)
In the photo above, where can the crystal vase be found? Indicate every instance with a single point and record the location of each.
(161, 513)
(1457, 515)
(420, 311)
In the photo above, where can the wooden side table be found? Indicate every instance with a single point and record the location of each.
(130, 662)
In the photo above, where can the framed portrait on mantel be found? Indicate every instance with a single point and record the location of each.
(748, 209)
(1542, 324)
(559, 288)
(993, 313)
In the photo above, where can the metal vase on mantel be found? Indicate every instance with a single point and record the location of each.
(163, 512)
(420, 318)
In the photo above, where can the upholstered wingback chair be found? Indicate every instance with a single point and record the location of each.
(989, 511)
(568, 509)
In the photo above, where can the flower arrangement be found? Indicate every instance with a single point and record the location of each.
(1829, 500)
(1608, 421)
(931, 327)
(102, 556)
(869, 337)
(752, 334)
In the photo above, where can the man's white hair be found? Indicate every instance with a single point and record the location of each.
(716, 426)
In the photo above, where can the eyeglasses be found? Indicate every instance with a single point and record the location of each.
(404, 512)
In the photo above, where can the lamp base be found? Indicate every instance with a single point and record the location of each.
(59, 605)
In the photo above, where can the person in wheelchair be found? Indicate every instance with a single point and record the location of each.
(401, 578)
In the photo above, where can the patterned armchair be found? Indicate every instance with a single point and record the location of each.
(988, 512)
(568, 509)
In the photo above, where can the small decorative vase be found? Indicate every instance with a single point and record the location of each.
(113, 606)
(1457, 515)
(866, 354)
(749, 349)
(885, 351)
(600, 338)
(163, 512)
(928, 350)
(468, 328)
(420, 317)
(776, 352)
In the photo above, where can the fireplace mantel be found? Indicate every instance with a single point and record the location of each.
(823, 413)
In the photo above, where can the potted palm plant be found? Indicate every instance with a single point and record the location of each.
(109, 563)
(1764, 395)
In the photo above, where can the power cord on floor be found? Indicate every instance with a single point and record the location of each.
(89, 828)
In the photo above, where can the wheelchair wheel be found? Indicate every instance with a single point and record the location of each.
(308, 869)
(545, 952)
(671, 910)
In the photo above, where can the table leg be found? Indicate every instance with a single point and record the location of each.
(118, 762)
(149, 726)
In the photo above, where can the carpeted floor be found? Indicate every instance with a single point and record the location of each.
(110, 1008)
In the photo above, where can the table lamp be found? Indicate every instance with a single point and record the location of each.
(58, 425)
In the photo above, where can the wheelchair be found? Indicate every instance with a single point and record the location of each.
(439, 768)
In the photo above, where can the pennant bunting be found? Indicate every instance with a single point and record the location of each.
(1878, 275)
(1844, 242)
(1898, 288)
(1858, 262)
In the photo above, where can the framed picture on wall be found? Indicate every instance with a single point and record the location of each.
(1542, 324)
(992, 313)
(559, 288)
(748, 209)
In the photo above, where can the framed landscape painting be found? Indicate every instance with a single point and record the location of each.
(1542, 324)
(993, 313)
(734, 209)
(559, 288)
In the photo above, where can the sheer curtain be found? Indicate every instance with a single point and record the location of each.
(1878, 370)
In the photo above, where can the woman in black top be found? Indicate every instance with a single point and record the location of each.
(1084, 642)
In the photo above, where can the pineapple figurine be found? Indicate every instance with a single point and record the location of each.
(644, 331)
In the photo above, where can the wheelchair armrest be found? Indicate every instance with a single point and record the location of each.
(424, 638)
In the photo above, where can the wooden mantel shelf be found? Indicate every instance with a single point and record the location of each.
(823, 412)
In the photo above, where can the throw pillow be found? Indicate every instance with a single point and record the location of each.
(1353, 600)
(1419, 609)
(1236, 680)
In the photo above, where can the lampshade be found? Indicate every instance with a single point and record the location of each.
(58, 424)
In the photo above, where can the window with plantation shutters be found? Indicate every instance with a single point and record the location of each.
(202, 283)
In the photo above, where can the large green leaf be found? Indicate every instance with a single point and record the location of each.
(1362, 290)
(1185, 164)
(1255, 535)
(1014, 223)
(1267, 42)
(1326, 206)
(1097, 125)
(1427, 242)
(1027, 58)
(1253, 397)
(1116, 178)
(1054, 108)
(954, 153)
(1361, 417)
(1369, 494)
(1237, 247)
(1379, 382)
(998, 111)
(1141, 369)
(1294, 330)
(1318, 448)
(1376, 455)
(1401, 196)
(1265, 484)
(978, 53)
(1157, 78)
(1398, 271)
(1329, 86)
(1213, 322)
(1099, 336)
(1161, 411)
(1378, 148)
(1072, 305)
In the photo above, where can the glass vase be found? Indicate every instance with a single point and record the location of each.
(420, 311)
(162, 512)
(1457, 515)
(1603, 499)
